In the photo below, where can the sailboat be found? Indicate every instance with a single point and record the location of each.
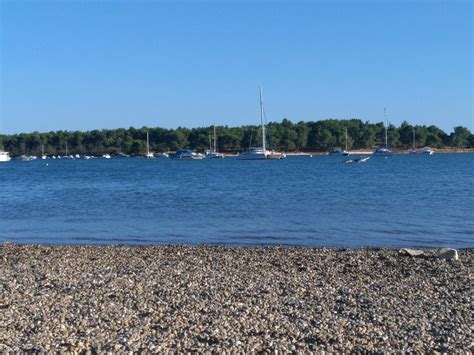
(383, 150)
(212, 153)
(42, 152)
(67, 156)
(261, 153)
(339, 151)
(148, 155)
(413, 151)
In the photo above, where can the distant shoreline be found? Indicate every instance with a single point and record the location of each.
(209, 298)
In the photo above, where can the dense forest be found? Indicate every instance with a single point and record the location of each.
(285, 136)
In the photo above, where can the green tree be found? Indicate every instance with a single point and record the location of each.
(460, 137)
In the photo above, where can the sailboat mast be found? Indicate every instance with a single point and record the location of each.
(66, 148)
(386, 127)
(215, 140)
(346, 139)
(42, 149)
(414, 144)
(147, 143)
(261, 121)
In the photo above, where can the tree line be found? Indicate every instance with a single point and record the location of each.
(284, 136)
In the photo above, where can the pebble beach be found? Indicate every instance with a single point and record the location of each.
(224, 299)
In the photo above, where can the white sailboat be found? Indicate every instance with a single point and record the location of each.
(42, 152)
(413, 150)
(212, 153)
(148, 155)
(383, 150)
(339, 151)
(261, 153)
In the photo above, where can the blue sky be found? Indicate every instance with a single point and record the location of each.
(80, 65)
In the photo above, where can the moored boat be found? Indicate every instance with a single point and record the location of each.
(383, 149)
(4, 156)
(413, 150)
(186, 154)
(212, 153)
(261, 153)
(148, 155)
(428, 151)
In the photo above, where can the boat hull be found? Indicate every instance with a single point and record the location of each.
(4, 157)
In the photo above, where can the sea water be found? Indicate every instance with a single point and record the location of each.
(403, 200)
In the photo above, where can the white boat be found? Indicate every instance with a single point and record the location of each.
(413, 150)
(383, 149)
(165, 155)
(106, 156)
(42, 152)
(4, 156)
(212, 153)
(148, 155)
(188, 155)
(261, 153)
(428, 151)
(358, 160)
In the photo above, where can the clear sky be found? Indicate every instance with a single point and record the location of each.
(80, 65)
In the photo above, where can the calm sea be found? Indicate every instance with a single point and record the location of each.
(402, 200)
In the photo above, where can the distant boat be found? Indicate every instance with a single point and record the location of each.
(4, 156)
(413, 151)
(358, 160)
(42, 152)
(106, 156)
(383, 150)
(188, 155)
(428, 151)
(339, 151)
(261, 153)
(148, 154)
(212, 153)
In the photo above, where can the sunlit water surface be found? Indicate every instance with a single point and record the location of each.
(402, 200)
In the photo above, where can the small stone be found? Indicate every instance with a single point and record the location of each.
(448, 253)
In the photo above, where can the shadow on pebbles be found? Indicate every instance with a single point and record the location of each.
(273, 299)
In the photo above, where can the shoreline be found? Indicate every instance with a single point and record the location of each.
(213, 298)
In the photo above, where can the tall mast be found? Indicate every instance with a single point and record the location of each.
(414, 144)
(261, 121)
(66, 148)
(147, 143)
(42, 149)
(386, 127)
(215, 140)
(346, 138)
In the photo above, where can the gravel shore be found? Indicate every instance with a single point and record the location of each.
(116, 298)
